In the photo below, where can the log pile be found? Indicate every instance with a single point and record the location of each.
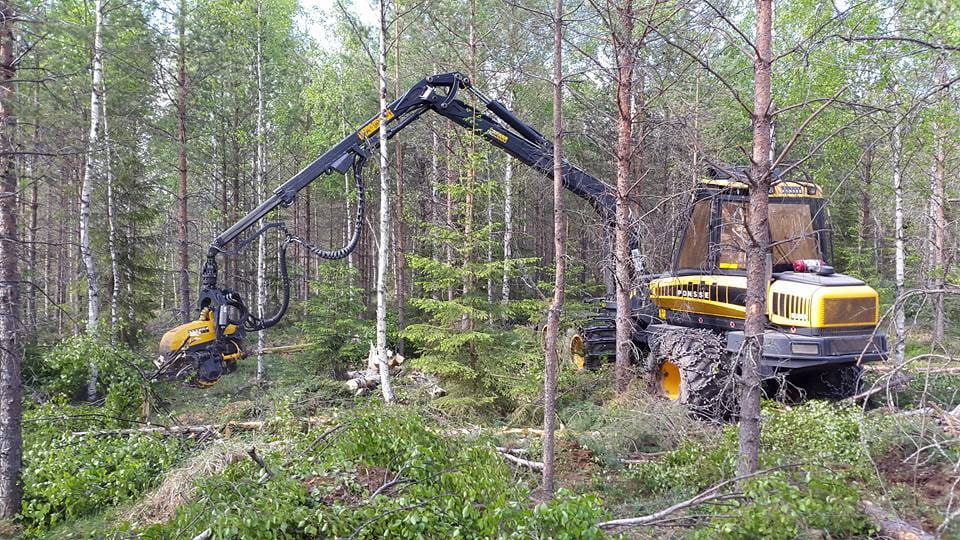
(360, 382)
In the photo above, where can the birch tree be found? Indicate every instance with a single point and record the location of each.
(260, 168)
(383, 250)
(559, 233)
(92, 170)
(11, 345)
(91, 173)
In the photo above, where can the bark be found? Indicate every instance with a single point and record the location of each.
(507, 229)
(559, 230)
(383, 252)
(184, 284)
(899, 316)
(11, 346)
(91, 173)
(111, 222)
(261, 167)
(938, 224)
(625, 53)
(759, 230)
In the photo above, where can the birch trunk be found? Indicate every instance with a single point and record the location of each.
(383, 253)
(899, 315)
(623, 43)
(111, 225)
(261, 166)
(559, 230)
(938, 224)
(91, 172)
(507, 229)
(11, 346)
(759, 231)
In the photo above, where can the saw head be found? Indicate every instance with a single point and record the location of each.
(193, 353)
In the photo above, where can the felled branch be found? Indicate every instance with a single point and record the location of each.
(710, 494)
(892, 526)
(197, 429)
(535, 465)
(267, 473)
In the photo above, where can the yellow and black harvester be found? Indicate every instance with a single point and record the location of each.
(822, 325)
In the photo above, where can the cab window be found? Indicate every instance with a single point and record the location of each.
(792, 235)
(733, 236)
(693, 249)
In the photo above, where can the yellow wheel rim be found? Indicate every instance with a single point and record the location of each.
(578, 352)
(670, 380)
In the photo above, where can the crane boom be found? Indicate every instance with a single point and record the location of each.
(214, 340)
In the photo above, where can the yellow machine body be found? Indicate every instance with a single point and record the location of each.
(194, 334)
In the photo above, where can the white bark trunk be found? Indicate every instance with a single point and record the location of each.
(383, 253)
(899, 319)
(91, 172)
(507, 229)
(261, 166)
(111, 213)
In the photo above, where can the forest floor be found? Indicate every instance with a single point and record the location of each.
(617, 456)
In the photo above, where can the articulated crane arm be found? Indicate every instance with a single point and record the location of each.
(203, 350)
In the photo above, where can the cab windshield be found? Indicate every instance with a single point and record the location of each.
(794, 234)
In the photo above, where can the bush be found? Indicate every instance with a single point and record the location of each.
(66, 477)
(781, 504)
(65, 370)
(788, 504)
(445, 488)
(334, 321)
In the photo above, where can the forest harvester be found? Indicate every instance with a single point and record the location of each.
(822, 324)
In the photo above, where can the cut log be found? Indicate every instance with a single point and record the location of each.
(205, 428)
(287, 348)
(892, 526)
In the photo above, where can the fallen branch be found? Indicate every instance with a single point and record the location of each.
(267, 473)
(535, 465)
(891, 385)
(286, 348)
(252, 425)
(710, 494)
(892, 526)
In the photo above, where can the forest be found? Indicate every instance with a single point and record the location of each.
(479, 269)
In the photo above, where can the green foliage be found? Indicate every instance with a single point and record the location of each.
(65, 370)
(334, 321)
(781, 504)
(67, 476)
(789, 504)
(445, 488)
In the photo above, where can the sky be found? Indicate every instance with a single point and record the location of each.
(364, 10)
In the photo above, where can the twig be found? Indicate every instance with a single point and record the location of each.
(267, 473)
(710, 494)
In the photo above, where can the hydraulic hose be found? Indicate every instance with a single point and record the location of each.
(255, 324)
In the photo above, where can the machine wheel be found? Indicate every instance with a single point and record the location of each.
(692, 366)
(596, 341)
(579, 355)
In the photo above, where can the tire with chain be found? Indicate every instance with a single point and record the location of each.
(706, 375)
(597, 341)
